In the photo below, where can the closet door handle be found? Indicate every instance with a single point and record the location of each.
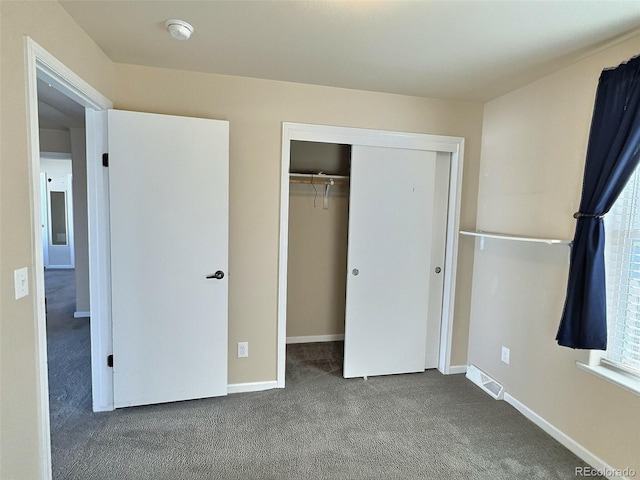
(355, 272)
(219, 275)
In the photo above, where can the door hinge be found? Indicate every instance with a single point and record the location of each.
(109, 360)
(105, 159)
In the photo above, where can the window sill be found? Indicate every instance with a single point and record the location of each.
(623, 380)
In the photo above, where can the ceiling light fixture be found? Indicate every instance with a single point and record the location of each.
(179, 29)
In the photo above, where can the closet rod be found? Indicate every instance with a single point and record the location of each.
(307, 178)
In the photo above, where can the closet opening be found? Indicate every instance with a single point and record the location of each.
(390, 278)
(317, 258)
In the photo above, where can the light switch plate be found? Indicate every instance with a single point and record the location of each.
(21, 282)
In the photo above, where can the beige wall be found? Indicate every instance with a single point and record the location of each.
(313, 157)
(54, 141)
(49, 25)
(534, 143)
(317, 263)
(317, 256)
(256, 110)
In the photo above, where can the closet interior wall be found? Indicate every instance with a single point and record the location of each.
(317, 263)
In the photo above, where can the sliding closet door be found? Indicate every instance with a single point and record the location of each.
(438, 254)
(389, 259)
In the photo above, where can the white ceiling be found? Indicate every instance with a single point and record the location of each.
(468, 50)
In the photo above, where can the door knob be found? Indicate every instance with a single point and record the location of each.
(355, 272)
(438, 269)
(218, 275)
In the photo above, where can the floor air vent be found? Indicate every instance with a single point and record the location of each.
(485, 382)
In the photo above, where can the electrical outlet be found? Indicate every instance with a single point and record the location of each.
(505, 355)
(243, 349)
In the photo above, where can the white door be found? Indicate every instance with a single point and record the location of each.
(168, 182)
(389, 258)
(58, 208)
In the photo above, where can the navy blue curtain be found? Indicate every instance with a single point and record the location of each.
(613, 153)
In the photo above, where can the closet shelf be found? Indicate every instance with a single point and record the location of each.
(320, 179)
(518, 238)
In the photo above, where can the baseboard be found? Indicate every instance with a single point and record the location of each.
(316, 338)
(584, 454)
(456, 369)
(81, 314)
(251, 387)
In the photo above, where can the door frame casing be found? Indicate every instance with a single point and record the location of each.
(41, 64)
(373, 138)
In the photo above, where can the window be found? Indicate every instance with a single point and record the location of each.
(622, 260)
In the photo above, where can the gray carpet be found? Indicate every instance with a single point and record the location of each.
(418, 426)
